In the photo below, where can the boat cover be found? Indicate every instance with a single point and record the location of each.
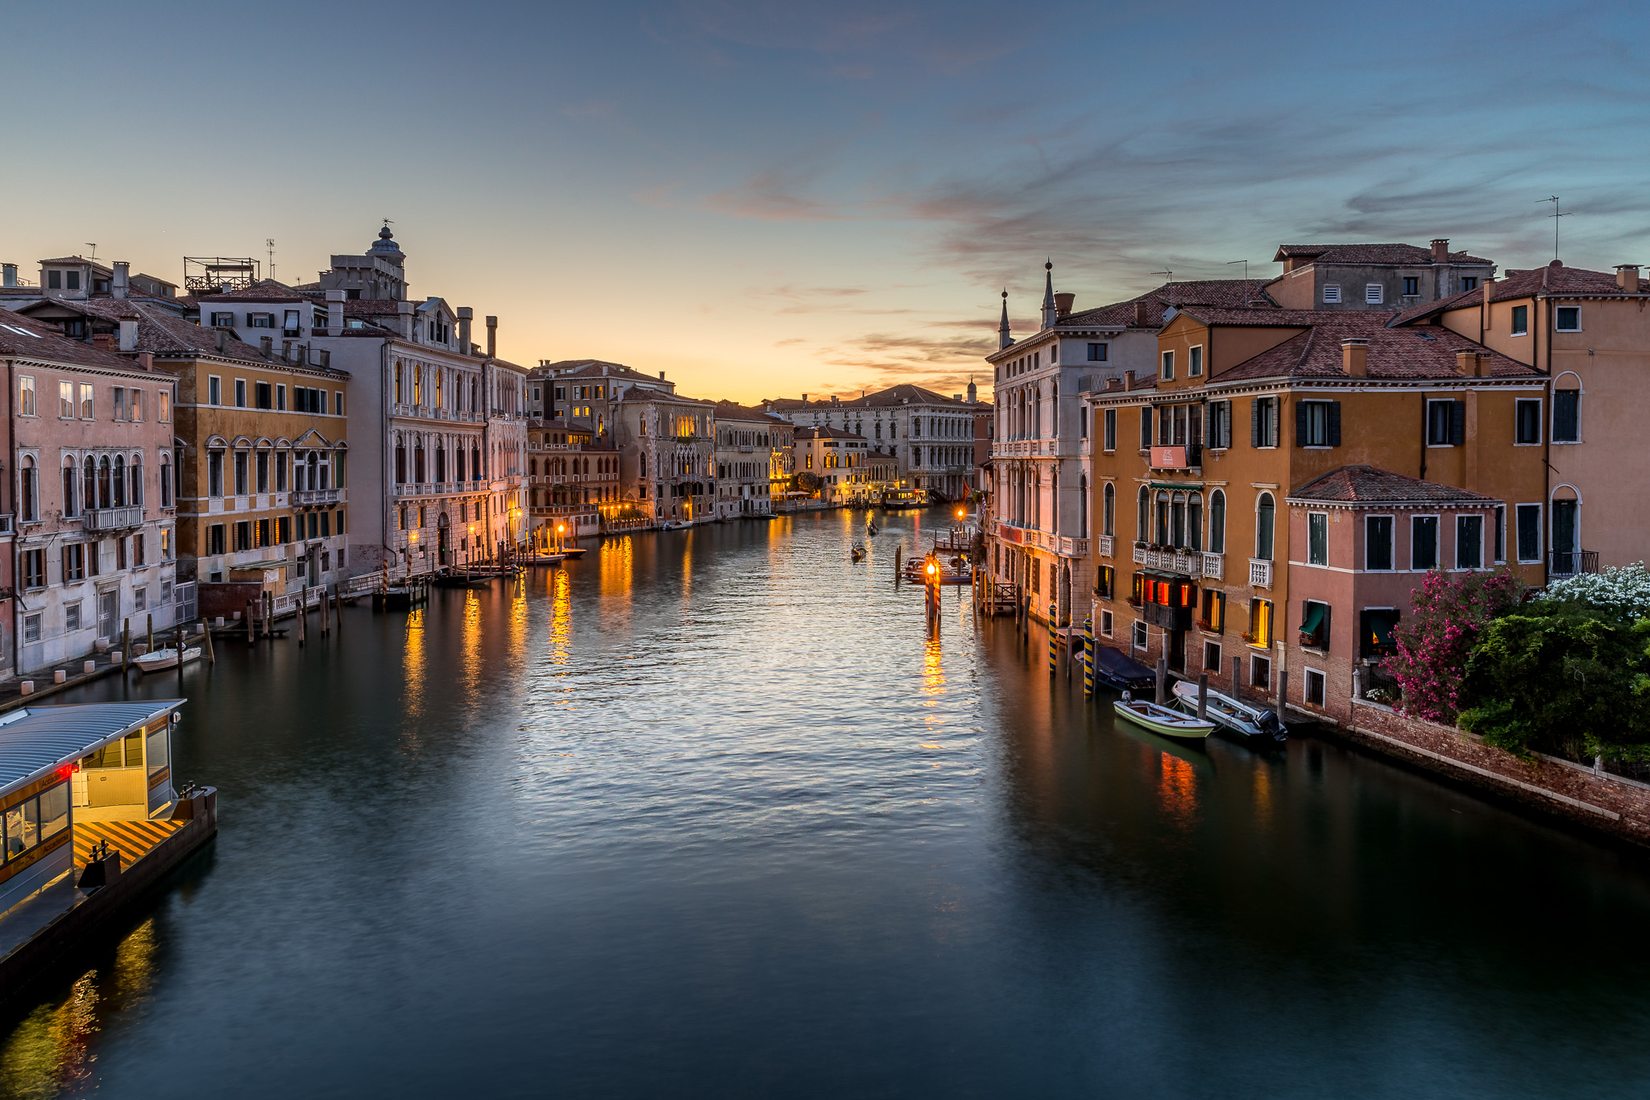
(1116, 665)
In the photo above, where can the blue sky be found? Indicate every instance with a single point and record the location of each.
(764, 199)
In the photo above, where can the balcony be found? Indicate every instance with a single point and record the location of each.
(1105, 546)
(1188, 457)
(1073, 548)
(1169, 559)
(301, 497)
(1169, 618)
(1260, 573)
(1567, 563)
(112, 519)
(1214, 567)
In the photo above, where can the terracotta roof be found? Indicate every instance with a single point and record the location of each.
(1407, 255)
(79, 260)
(1373, 485)
(827, 432)
(1394, 354)
(25, 338)
(264, 290)
(591, 368)
(905, 393)
(1552, 280)
(732, 410)
(1233, 293)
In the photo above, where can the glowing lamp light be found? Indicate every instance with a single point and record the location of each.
(932, 569)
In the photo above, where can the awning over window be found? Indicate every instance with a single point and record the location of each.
(1315, 613)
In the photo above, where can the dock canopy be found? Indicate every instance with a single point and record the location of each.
(34, 741)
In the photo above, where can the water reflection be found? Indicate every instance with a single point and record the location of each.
(52, 1050)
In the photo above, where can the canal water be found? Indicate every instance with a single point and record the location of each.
(705, 813)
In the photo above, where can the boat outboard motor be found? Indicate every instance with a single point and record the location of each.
(1273, 728)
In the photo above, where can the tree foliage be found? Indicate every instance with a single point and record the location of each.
(1562, 678)
(1431, 644)
(1622, 590)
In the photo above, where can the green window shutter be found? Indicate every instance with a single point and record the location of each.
(1254, 423)
(1334, 423)
(1458, 423)
(1300, 423)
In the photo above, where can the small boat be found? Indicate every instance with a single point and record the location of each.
(574, 552)
(546, 558)
(857, 553)
(461, 580)
(1161, 720)
(158, 660)
(674, 525)
(871, 528)
(1120, 672)
(1259, 725)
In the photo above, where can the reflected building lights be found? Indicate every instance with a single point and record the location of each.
(1177, 788)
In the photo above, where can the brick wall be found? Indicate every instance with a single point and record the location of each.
(1595, 800)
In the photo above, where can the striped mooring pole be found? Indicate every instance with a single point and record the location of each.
(1088, 657)
(1053, 641)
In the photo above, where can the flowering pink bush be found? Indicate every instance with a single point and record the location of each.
(1431, 644)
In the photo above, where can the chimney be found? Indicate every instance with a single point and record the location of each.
(223, 339)
(1062, 303)
(266, 344)
(1627, 277)
(128, 333)
(286, 351)
(1489, 291)
(661, 376)
(404, 320)
(123, 277)
(466, 319)
(146, 360)
(492, 337)
(804, 399)
(1140, 314)
(325, 355)
(1440, 250)
(1128, 380)
(8, 274)
(335, 313)
(104, 340)
(1473, 364)
(1355, 358)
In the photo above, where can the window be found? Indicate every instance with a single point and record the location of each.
(1318, 424)
(214, 473)
(1312, 688)
(263, 395)
(1194, 362)
(214, 390)
(163, 406)
(1260, 671)
(1520, 320)
(1423, 542)
(1263, 422)
(1264, 509)
(260, 320)
(34, 568)
(240, 393)
(71, 616)
(65, 400)
(1139, 638)
(1212, 616)
(74, 562)
(1469, 282)
(1220, 424)
(31, 626)
(1469, 542)
(223, 320)
(1110, 429)
(1105, 624)
(1412, 286)
(1211, 657)
(1168, 366)
(241, 488)
(1217, 522)
(1260, 624)
(87, 412)
(1374, 294)
(1528, 518)
(1146, 428)
(1315, 625)
(1332, 293)
(1498, 533)
(25, 395)
(1097, 353)
(1567, 416)
(1567, 319)
(1446, 423)
(1108, 510)
(1105, 578)
(28, 502)
(1317, 538)
(243, 535)
(54, 280)
(1377, 543)
(1527, 414)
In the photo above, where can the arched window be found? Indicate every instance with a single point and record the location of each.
(475, 459)
(418, 461)
(165, 480)
(1142, 531)
(1194, 522)
(1263, 527)
(28, 490)
(440, 458)
(1082, 506)
(400, 461)
(1567, 408)
(1217, 522)
(103, 476)
(117, 483)
(134, 481)
(1565, 509)
(88, 483)
(1161, 534)
(71, 481)
(1108, 510)
(1177, 522)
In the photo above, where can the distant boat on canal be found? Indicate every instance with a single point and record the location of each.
(159, 660)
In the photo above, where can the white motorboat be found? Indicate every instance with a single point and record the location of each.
(159, 660)
(1250, 723)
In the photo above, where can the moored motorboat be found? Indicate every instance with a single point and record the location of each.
(158, 660)
(1245, 721)
(1120, 672)
(1162, 720)
(574, 552)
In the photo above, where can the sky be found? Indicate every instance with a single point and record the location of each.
(767, 199)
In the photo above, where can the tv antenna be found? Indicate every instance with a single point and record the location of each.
(1555, 215)
(93, 246)
(1245, 264)
(269, 243)
(1168, 275)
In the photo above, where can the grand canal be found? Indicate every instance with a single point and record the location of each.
(706, 814)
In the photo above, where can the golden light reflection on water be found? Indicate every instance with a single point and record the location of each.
(1177, 788)
(518, 619)
(561, 616)
(413, 675)
(617, 558)
(1263, 796)
(50, 1050)
(933, 672)
(470, 643)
